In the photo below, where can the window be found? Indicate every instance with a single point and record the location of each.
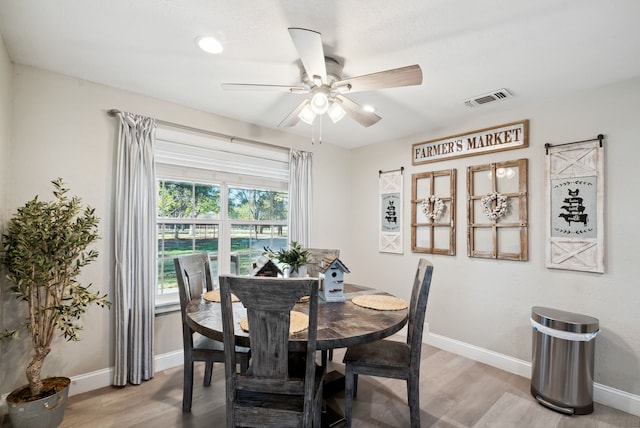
(231, 214)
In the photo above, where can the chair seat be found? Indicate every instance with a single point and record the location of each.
(205, 343)
(383, 353)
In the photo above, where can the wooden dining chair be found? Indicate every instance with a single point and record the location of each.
(274, 392)
(387, 358)
(194, 278)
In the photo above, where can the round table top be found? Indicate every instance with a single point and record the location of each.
(340, 324)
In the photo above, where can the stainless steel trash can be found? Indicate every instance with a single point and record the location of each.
(562, 363)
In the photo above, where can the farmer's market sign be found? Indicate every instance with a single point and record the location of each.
(504, 137)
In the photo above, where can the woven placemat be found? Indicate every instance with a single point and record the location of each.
(214, 296)
(380, 302)
(299, 322)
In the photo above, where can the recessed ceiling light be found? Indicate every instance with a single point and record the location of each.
(209, 44)
(368, 108)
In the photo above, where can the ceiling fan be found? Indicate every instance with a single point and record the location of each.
(321, 77)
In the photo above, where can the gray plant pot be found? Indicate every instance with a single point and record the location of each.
(46, 412)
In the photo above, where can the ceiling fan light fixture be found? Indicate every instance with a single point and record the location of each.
(209, 44)
(319, 103)
(307, 115)
(336, 112)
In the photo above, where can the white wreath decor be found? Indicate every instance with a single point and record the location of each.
(501, 205)
(432, 207)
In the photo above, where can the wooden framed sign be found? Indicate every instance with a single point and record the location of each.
(575, 206)
(390, 188)
(509, 136)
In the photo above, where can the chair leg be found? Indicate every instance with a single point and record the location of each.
(413, 391)
(330, 354)
(187, 391)
(208, 370)
(244, 363)
(349, 378)
(355, 385)
(323, 358)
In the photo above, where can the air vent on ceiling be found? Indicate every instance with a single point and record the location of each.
(500, 94)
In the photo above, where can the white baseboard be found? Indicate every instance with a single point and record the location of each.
(104, 377)
(602, 394)
(101, 378)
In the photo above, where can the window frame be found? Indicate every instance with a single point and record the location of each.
(191, 166)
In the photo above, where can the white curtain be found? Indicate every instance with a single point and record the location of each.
(135, 250)
(300, 196)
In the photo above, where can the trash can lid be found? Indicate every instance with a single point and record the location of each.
(564, 321)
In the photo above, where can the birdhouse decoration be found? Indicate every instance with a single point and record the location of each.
(264, 266)
(332, 279)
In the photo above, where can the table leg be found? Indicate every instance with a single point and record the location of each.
(332, 416)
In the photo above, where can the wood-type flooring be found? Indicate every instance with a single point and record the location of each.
(455, 392)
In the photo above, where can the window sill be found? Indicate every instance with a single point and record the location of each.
(167, 308)
(167, 303)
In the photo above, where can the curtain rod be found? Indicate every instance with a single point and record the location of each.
(598, 138)
(401, 169)
(114, 111)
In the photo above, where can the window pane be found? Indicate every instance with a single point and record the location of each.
(252, 204)
(174, 240)
(207, 200)
(206, 238)
(175, 200)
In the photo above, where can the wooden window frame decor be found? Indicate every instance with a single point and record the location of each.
(575, 206)
(433, 212)
(390, 185)
(497, 224)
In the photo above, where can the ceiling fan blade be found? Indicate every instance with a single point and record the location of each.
(293, 118)
(357, 113)
(260, 87)
(309, 46)
(396, 77)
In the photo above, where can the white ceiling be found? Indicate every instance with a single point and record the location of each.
(535, 49)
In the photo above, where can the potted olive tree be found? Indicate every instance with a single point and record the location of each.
(295, 258)
(43, 250)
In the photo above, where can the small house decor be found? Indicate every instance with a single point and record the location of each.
(332, 280)
(264, 266)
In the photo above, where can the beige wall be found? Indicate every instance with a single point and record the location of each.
(61, 128)
(486, 303)
(5, 135)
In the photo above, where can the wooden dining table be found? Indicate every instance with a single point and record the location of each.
(340, 324)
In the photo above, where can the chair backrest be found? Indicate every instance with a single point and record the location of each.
(316, 256)
(268, 302)
(417, 308)
(194, 278)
